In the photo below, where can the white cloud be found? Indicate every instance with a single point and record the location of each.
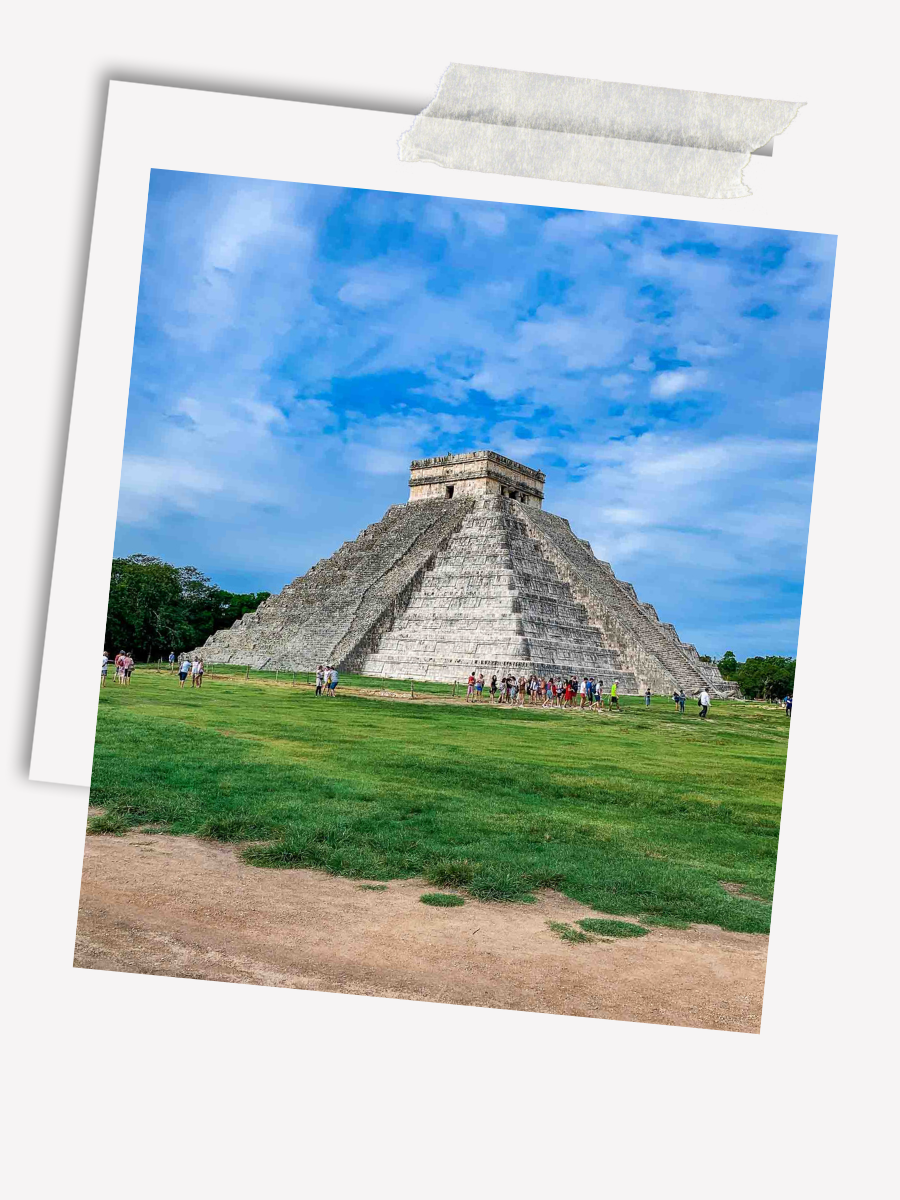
(490, 221)
(374, 285)
(619, 385)
(671, 383)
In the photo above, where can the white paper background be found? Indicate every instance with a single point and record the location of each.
(124, 1085)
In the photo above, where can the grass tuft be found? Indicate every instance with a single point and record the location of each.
(373, 887)
(668, 922)
(568, 933)
(450, 872)
(108, 822)
(501, 886)
(613, 929)
(441, 900)
(231, 828)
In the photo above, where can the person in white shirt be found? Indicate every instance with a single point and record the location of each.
(197, 673)
(704, 704)
(104, 667)
(320, 679)
(184, 670)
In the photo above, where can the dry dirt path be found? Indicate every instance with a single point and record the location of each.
(178, 906)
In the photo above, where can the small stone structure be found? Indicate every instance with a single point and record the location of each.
(471, 573)
(481, 473)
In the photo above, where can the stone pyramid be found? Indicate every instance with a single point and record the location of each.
(471, 573)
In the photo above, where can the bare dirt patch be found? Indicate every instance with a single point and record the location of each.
(739, 889)
(163, 905)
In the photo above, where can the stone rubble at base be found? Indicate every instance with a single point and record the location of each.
(471, 573)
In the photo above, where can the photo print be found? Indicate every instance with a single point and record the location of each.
(454, 604)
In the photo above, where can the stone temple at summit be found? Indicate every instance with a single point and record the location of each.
(472, 573)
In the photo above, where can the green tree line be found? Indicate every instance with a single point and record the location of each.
(155, 608)
(769, 678)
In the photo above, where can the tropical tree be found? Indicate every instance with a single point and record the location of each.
(155, 607)
(768, 678)
(728, 665)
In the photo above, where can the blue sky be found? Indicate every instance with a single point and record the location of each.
(296, 345)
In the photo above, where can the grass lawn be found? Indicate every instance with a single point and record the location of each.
(644, 813)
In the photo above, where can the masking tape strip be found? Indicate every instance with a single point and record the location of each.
(586, 131)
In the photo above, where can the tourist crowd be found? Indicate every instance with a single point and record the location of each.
(585, 693)
(326, 680)
(548, 692)
(124, 664)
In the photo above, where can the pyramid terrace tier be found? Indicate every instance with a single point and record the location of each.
(442, 586)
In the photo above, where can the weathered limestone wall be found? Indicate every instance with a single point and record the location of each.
(479, 473)
(493, 602)
(328, 614)
(650, 647)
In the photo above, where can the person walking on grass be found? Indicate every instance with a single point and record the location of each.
(788, 705)
(614, 697)
(470, 688)
(479, 687)
(681, 700)
(127, 667)
(320, 679)
(704, 704)
(184, 669)
(493, 689)
(647, 698)
(197, 673)
(598, 696)
(332, 680)
(171, 660)
(104, 667)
